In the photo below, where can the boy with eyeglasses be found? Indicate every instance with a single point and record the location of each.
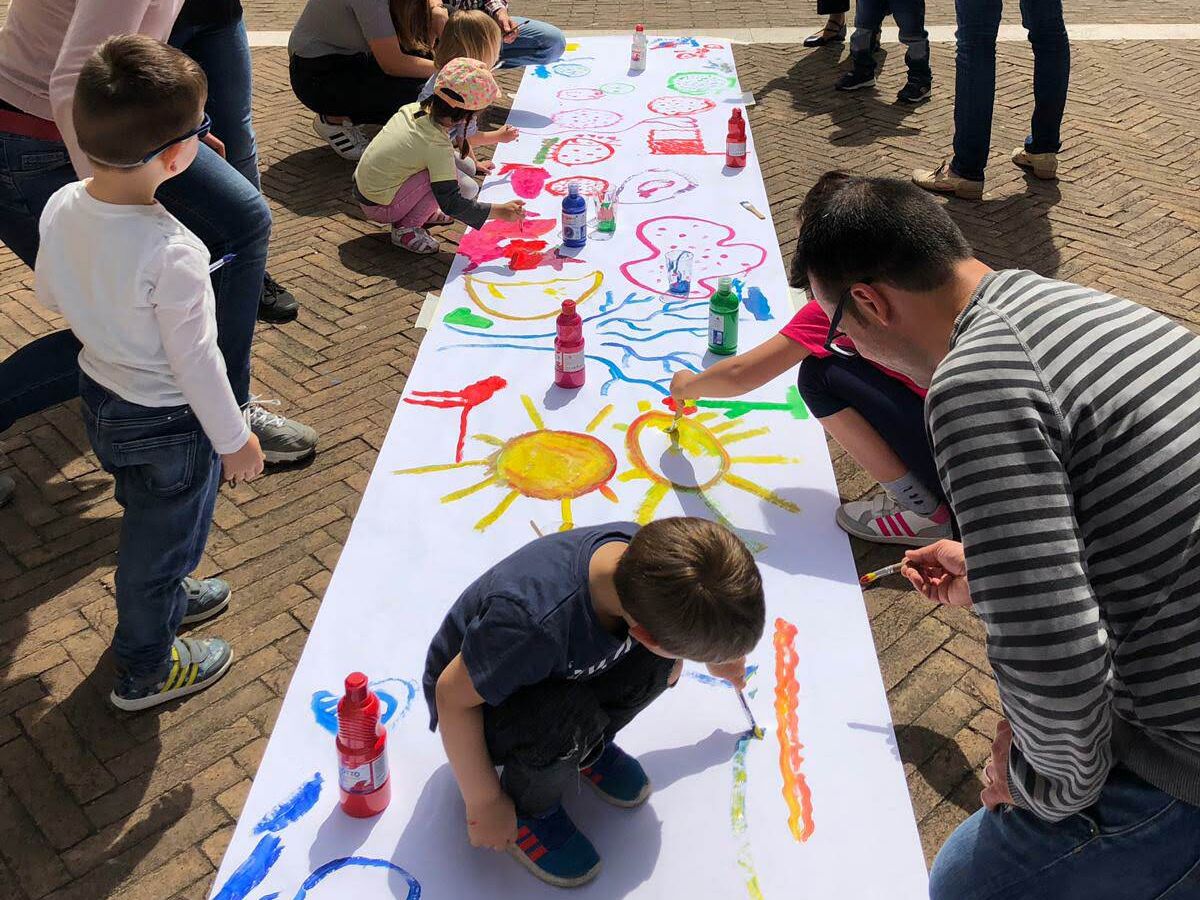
(133, 283)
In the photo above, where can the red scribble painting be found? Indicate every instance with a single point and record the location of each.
(581, 150)
(467, 399)
(680, 106)
(589, 185)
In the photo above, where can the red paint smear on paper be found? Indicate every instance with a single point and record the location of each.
(589, 185)
(467, 399)
(509, 241)
(796, 793)
(526, 180)
(718, 237)
(581, 151)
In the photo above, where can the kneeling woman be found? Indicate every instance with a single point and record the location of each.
(356, 62)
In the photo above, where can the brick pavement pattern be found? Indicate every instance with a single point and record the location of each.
(96, 803)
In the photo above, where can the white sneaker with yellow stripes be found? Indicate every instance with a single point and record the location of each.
(881, 520)
(196, 663)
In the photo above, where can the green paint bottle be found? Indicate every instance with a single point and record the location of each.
(723, 319)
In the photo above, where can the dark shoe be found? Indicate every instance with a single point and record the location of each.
(618, 778)
(7, 488)
(915, 92)
(854, 80)
(196, 663)
(276, 304)
(552, 848)
(205, 598)
(830, 34)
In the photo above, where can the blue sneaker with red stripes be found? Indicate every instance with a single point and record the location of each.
(618, 778)
(882, 520)
(196, 663)
(554, 850)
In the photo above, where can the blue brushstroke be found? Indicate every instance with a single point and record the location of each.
(608, 302)
(324, 704)
(251, 873)
(666, 360)
(273, 896)
(366, 862)
(759, 305)
(541, 72)
(713, 681)
(293, 807)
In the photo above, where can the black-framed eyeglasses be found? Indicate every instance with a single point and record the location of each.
(199, 131)
(835, 334)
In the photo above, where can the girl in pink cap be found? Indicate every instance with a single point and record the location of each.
(407, 177)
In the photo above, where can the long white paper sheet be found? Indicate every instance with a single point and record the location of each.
(478, 451)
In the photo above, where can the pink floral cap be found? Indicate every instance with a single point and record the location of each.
(467, 84)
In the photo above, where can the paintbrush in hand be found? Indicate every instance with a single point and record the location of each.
(754, 729)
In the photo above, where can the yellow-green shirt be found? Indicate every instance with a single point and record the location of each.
(408, 144)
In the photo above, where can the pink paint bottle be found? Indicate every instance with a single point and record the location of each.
(568, 348)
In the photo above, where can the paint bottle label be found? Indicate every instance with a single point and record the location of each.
(736, 149)
(574, 227)
(568, 362)
(716, 329)
(364, 779)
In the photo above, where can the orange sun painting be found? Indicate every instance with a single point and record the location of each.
(542, 464)
(694, 459)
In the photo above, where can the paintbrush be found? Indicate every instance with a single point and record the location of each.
(754, 729)
(872, 577)
(536, 530)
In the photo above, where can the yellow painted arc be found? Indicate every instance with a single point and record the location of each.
(579, 289)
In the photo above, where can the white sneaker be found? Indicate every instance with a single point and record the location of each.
(881, 520)
(282, 440)
(346, 138)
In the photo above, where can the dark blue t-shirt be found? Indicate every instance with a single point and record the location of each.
(528, 618)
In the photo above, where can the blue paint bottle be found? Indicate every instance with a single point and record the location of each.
(574, 217)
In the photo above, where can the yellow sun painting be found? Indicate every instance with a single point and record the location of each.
(693, 459)
(542, 464)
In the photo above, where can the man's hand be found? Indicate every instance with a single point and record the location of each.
(997, 793)
(492, 823)
(939, 571)
(216, 143)
(508, 28)
(245, 464)
(733, 671)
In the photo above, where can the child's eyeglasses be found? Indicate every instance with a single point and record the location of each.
(199, 131)
(835, 334)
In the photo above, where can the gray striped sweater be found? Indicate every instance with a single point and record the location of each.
(1066, 427)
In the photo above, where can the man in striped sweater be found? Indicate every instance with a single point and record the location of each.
(1066, 427)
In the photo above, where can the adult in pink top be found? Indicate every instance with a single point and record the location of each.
(43, 45)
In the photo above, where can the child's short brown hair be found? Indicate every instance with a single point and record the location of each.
(471, 33)
(694, 586)
(135, 94)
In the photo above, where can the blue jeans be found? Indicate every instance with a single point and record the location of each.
(975, 79)
(167, 477)
(910, 17)
(537, 43)
(223, 52)
(1135, 843)
(215, 202)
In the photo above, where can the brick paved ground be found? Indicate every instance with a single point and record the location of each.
(94, 803)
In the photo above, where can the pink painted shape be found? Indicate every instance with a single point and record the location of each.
(580, 94)
(705, 239)
(526, 180)
(484, 245)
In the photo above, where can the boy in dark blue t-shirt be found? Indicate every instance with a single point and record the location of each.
(553, 650)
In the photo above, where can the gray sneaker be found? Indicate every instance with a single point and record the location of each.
(282, 440)
(205, 598)
(196, 663)
(7, 488)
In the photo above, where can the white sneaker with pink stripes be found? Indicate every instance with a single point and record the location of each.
(881, 520)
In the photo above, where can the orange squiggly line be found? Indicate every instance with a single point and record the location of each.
(795, 788)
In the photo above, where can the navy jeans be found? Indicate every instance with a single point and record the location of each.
(167, 477)
(975, 79)
(910, 16)
(1135, 843)
(210, 197)
(832, 384)
(223, 52)
(537, 43)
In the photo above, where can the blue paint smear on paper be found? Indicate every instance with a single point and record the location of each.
(273, 896)
(293, 807)
(713, 681)
(324, 704)
(754, 300)
(541, 72)
(366, 862)
(251, 873)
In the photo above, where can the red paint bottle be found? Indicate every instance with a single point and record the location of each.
(362, 751)
(568, 348)
(735, 141)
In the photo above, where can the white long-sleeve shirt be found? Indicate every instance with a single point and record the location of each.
(133, 284)
(44, 44)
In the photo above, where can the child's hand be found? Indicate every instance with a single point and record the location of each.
(680, 388)
(505, 134)
(733, 671)
(484, 166)
(245, 464)
(512, 211)
(492, 824)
